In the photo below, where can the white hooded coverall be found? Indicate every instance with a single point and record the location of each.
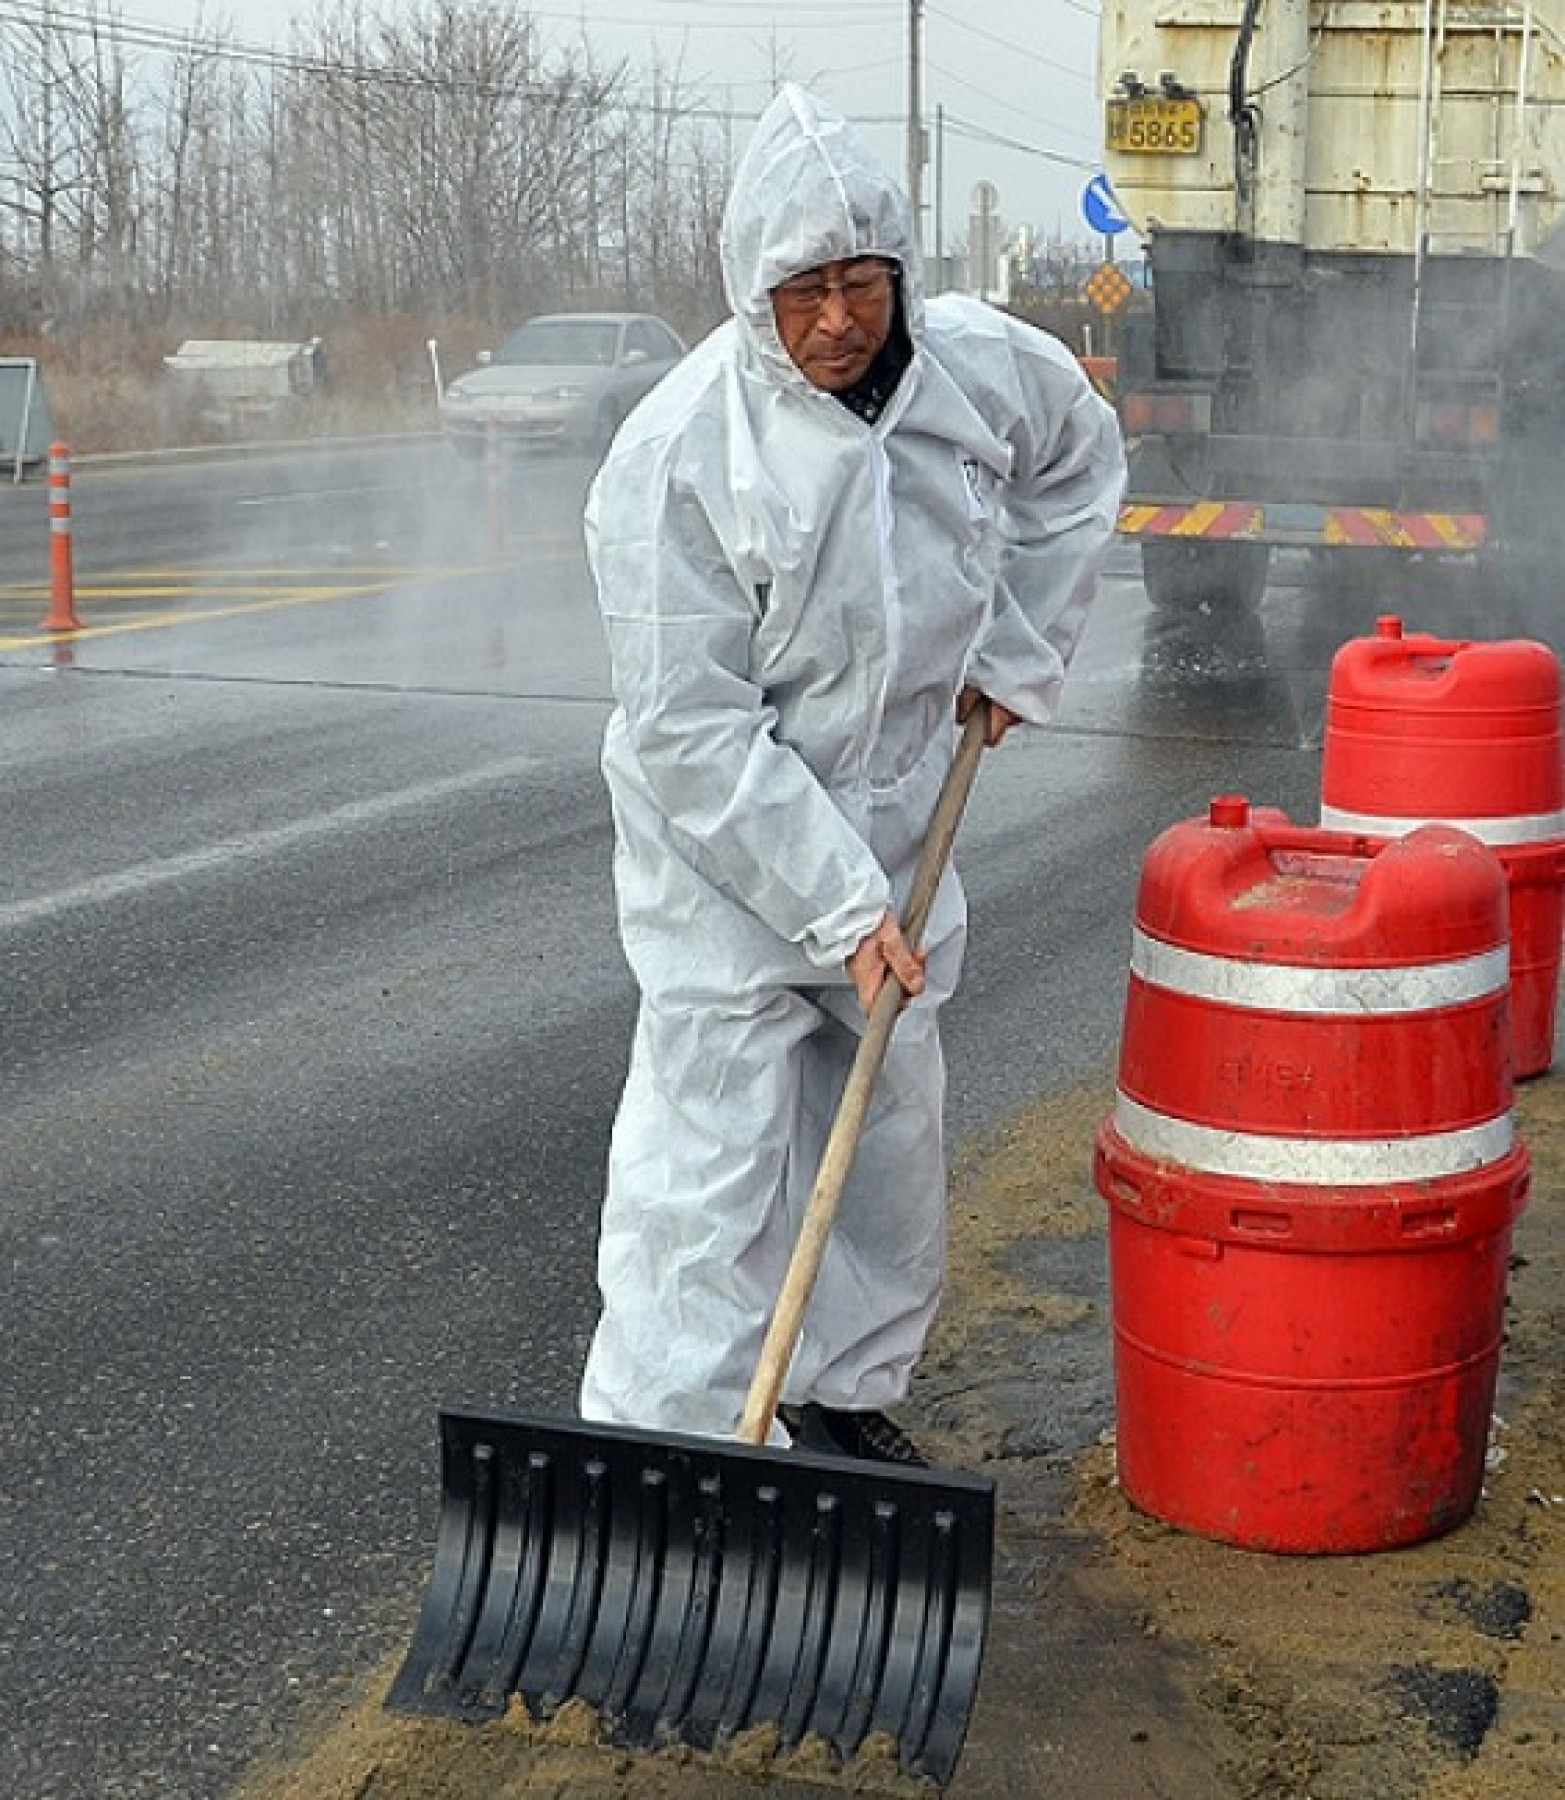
(793, 599)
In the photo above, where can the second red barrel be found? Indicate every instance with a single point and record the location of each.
(1313, 1176)
(1419, 729)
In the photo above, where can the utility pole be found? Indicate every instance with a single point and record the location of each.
(915, 112)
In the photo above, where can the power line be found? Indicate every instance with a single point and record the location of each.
(168, 40)
(142, 35)
(770, 6)
(968, 29)
(990, 99)
(979, 134)
(620, 97)
(822, 18)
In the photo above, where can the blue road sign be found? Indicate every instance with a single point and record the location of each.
(1100, 209)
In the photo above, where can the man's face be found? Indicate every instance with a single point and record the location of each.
(834, 320)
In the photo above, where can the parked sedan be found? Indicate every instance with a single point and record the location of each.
(560, 378)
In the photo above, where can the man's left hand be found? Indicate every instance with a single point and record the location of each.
(886, 952)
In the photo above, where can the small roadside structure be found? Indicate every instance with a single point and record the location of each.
(231, 382)
(26, 425)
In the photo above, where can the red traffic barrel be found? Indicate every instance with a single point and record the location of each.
(1313, 1176)
(1420, 729)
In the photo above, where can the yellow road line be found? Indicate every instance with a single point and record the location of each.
(162, 620)
(192, 581)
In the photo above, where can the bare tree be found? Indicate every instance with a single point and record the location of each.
(109, 225)
(440, 158)
(46, 161)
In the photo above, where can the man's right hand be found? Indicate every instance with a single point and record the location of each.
(886, 951)
(1001, 718)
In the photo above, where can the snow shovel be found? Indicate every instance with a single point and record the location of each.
(697, 1591)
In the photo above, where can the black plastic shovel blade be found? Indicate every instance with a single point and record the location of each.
(689, 1589)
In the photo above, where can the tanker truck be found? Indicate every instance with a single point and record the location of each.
(1355, 239)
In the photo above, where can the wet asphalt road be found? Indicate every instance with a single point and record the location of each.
(314, 1022)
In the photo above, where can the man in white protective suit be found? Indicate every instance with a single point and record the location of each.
(845, 516)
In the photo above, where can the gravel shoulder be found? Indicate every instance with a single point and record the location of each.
(1129, 1660)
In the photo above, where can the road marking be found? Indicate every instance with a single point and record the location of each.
(160, 621)
(310, 496)
(144, 878)
(158, 586)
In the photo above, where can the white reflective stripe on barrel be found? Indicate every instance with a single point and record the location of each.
(1517, 828)
(1308, 988)
(1341, 1162)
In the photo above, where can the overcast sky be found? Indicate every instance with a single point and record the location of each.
(1013, 80)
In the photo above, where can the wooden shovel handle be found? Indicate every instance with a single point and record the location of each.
(782, 1337)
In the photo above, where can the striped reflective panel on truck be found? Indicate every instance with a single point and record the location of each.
(1377, 528)
(1517, 828)
(1343, 527)
(1204, 519)
(1349, 993)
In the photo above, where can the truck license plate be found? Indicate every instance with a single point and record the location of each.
(1148, 127)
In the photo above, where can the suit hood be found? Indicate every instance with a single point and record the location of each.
(808, 191)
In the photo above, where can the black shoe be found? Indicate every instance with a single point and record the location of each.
(870, 1436)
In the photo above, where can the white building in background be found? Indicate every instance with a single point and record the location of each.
(1004, 262)
(986, 258)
